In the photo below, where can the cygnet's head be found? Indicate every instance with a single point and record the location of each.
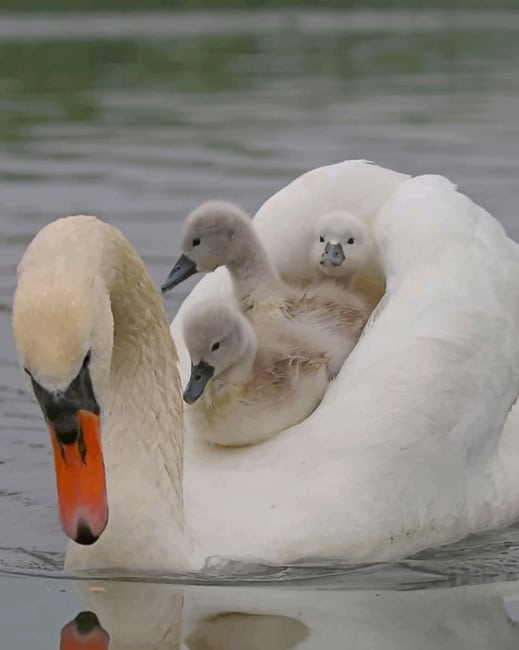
(217, 336)
(215, 234)
(341, 244)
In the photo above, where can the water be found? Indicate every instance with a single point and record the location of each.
(139, 118)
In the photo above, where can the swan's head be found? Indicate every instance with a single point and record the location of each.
(218, 337)
(63, 329)
(341, 244)
(215, 234)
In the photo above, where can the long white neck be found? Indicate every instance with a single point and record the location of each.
(142, 435)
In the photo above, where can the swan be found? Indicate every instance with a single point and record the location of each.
(220, 234)
(414, 443)
(343, 250)
(342, 245)
(240, 373)
(285, 223)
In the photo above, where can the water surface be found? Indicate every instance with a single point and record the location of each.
(139, 118)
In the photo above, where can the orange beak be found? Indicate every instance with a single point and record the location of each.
(80, 481)
(84, 633)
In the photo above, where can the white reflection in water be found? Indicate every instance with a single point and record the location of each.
(142, 617)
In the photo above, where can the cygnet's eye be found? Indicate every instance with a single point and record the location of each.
(351, 240)
(321, 239)
(215, 346)
(196, 241)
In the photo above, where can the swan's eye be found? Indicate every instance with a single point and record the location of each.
(86, 360)
(351, 240)
(215, 346)
(196, 241)
(28, 372)
(321, 239)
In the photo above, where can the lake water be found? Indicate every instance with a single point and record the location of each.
(138, 118)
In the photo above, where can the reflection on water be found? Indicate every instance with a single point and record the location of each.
(84, 631)
(123, 616)
(138, 119)
(389, 607)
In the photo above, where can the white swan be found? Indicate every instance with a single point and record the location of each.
(248, 383)
(406, 450)
(221, 234)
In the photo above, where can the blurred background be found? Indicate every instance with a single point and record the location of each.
(137, 111)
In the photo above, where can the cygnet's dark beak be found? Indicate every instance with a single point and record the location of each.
(333, 255)
(183, 269)
(200, 375)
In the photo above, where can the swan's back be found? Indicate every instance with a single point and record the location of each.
(444, 344)
(406, 439)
